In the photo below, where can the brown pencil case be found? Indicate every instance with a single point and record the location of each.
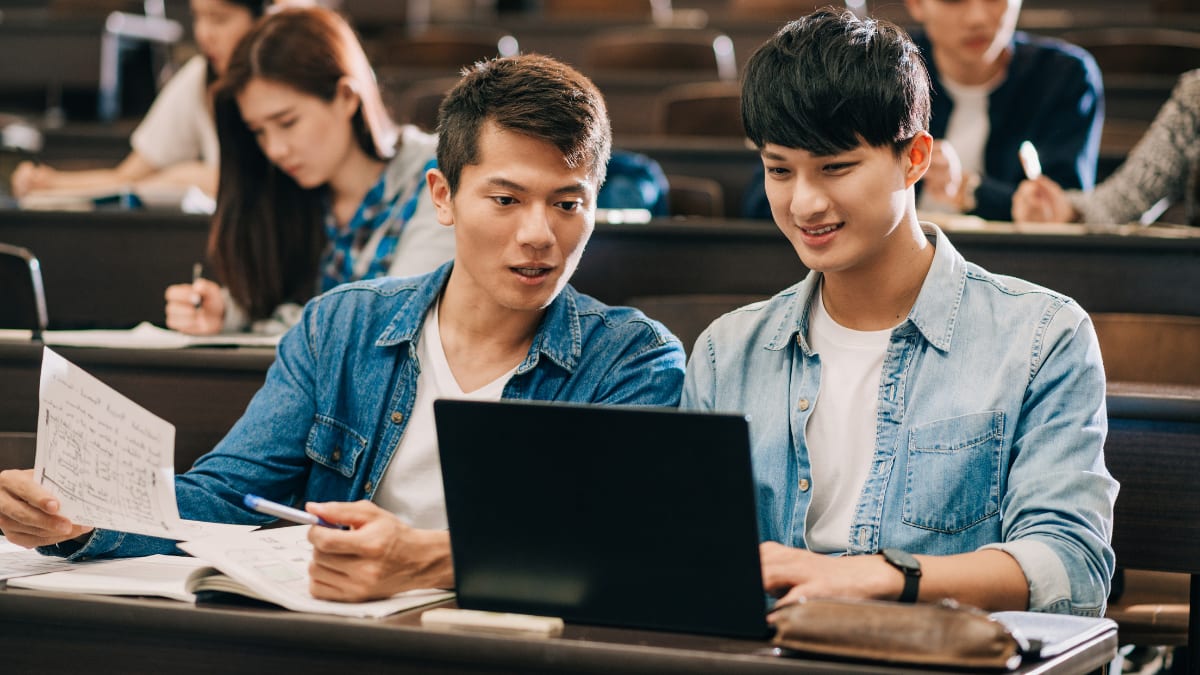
(943, 634)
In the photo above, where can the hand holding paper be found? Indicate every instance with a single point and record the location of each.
(30, 514)
(104, 460)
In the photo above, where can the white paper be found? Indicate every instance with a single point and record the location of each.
(18, 561)
(110, 462)
(148, 336)
(166, 576)
(274, 563)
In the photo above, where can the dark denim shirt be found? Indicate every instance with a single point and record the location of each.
(338, 397)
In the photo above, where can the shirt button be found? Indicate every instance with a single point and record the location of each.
(804, 485)
(367, 488)
(337, 455)
(802, 404)
(397, 417)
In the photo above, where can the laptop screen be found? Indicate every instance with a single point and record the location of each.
(629, 516)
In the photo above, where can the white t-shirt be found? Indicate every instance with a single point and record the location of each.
(967, 129)
(411, 486)
(180, 127)
(841, 429)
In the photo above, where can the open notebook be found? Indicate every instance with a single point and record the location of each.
(268, 565)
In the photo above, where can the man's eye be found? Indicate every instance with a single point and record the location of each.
(570, 206)
(504, 200)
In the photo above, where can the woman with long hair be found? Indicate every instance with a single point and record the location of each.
(317, 185)
(175, 146)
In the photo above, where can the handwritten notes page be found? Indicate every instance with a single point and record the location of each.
(274, 564)
(110, 462)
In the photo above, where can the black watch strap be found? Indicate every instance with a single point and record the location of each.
(910, 567)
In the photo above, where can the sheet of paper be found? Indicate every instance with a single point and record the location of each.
(275, 564)
(17, 561)
(109, 461)
(148, 336)
(160, 575)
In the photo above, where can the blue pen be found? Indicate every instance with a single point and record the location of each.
(271, 508)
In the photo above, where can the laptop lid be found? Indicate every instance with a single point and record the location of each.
(629, 516)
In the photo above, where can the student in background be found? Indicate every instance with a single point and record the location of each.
(318, 187)
(176, 143)
(346, 412)
(1158, 168)
(993, 88)
(923, 429)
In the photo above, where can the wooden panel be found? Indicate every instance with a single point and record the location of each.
(108, 269)
(201, 391)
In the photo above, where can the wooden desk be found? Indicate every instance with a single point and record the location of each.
(1103, 272)
(108, 269)
(51, 633)
(1153, 449)
(201, 391)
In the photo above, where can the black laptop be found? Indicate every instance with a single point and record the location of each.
(627, 516)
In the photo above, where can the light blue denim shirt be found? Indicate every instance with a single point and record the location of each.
(339, 395)
(989, 434)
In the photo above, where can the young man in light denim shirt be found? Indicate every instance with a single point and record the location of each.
(921, 429)
(346, 411)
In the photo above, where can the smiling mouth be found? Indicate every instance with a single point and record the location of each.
(825, 229)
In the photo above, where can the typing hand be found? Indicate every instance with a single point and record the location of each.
(1042, 201)
(379, 557)
(28, 177)
(197, 308)
(792, 573)
(28, 512)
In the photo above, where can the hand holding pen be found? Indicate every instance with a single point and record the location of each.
(256, 503)
(1039, 199)
(197, 308)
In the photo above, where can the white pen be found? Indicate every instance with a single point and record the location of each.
(271, 508)
(197, 271)
(1029, 160)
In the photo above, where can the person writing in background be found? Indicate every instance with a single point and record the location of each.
(922, 429)
(993, 88)
(318, 187)
(1158, 168)
(175, 145)
(346, 412)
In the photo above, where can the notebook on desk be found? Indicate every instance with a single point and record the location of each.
(638, 517)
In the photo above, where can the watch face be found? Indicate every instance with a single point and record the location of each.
(901, 559)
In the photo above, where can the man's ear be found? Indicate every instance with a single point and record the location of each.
(917, 156)
(439, 192)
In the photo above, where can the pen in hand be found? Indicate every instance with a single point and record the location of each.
(256, 503)
(1029, 160)
(197, 271)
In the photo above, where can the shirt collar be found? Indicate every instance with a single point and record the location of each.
(559, 337)
(932, 315)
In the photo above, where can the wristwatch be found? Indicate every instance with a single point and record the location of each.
(910, 567)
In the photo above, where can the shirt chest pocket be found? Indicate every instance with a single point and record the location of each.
(953, 479)
(334, 445)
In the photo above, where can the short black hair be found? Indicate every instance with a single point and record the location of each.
(830, 81)
(531, 94)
